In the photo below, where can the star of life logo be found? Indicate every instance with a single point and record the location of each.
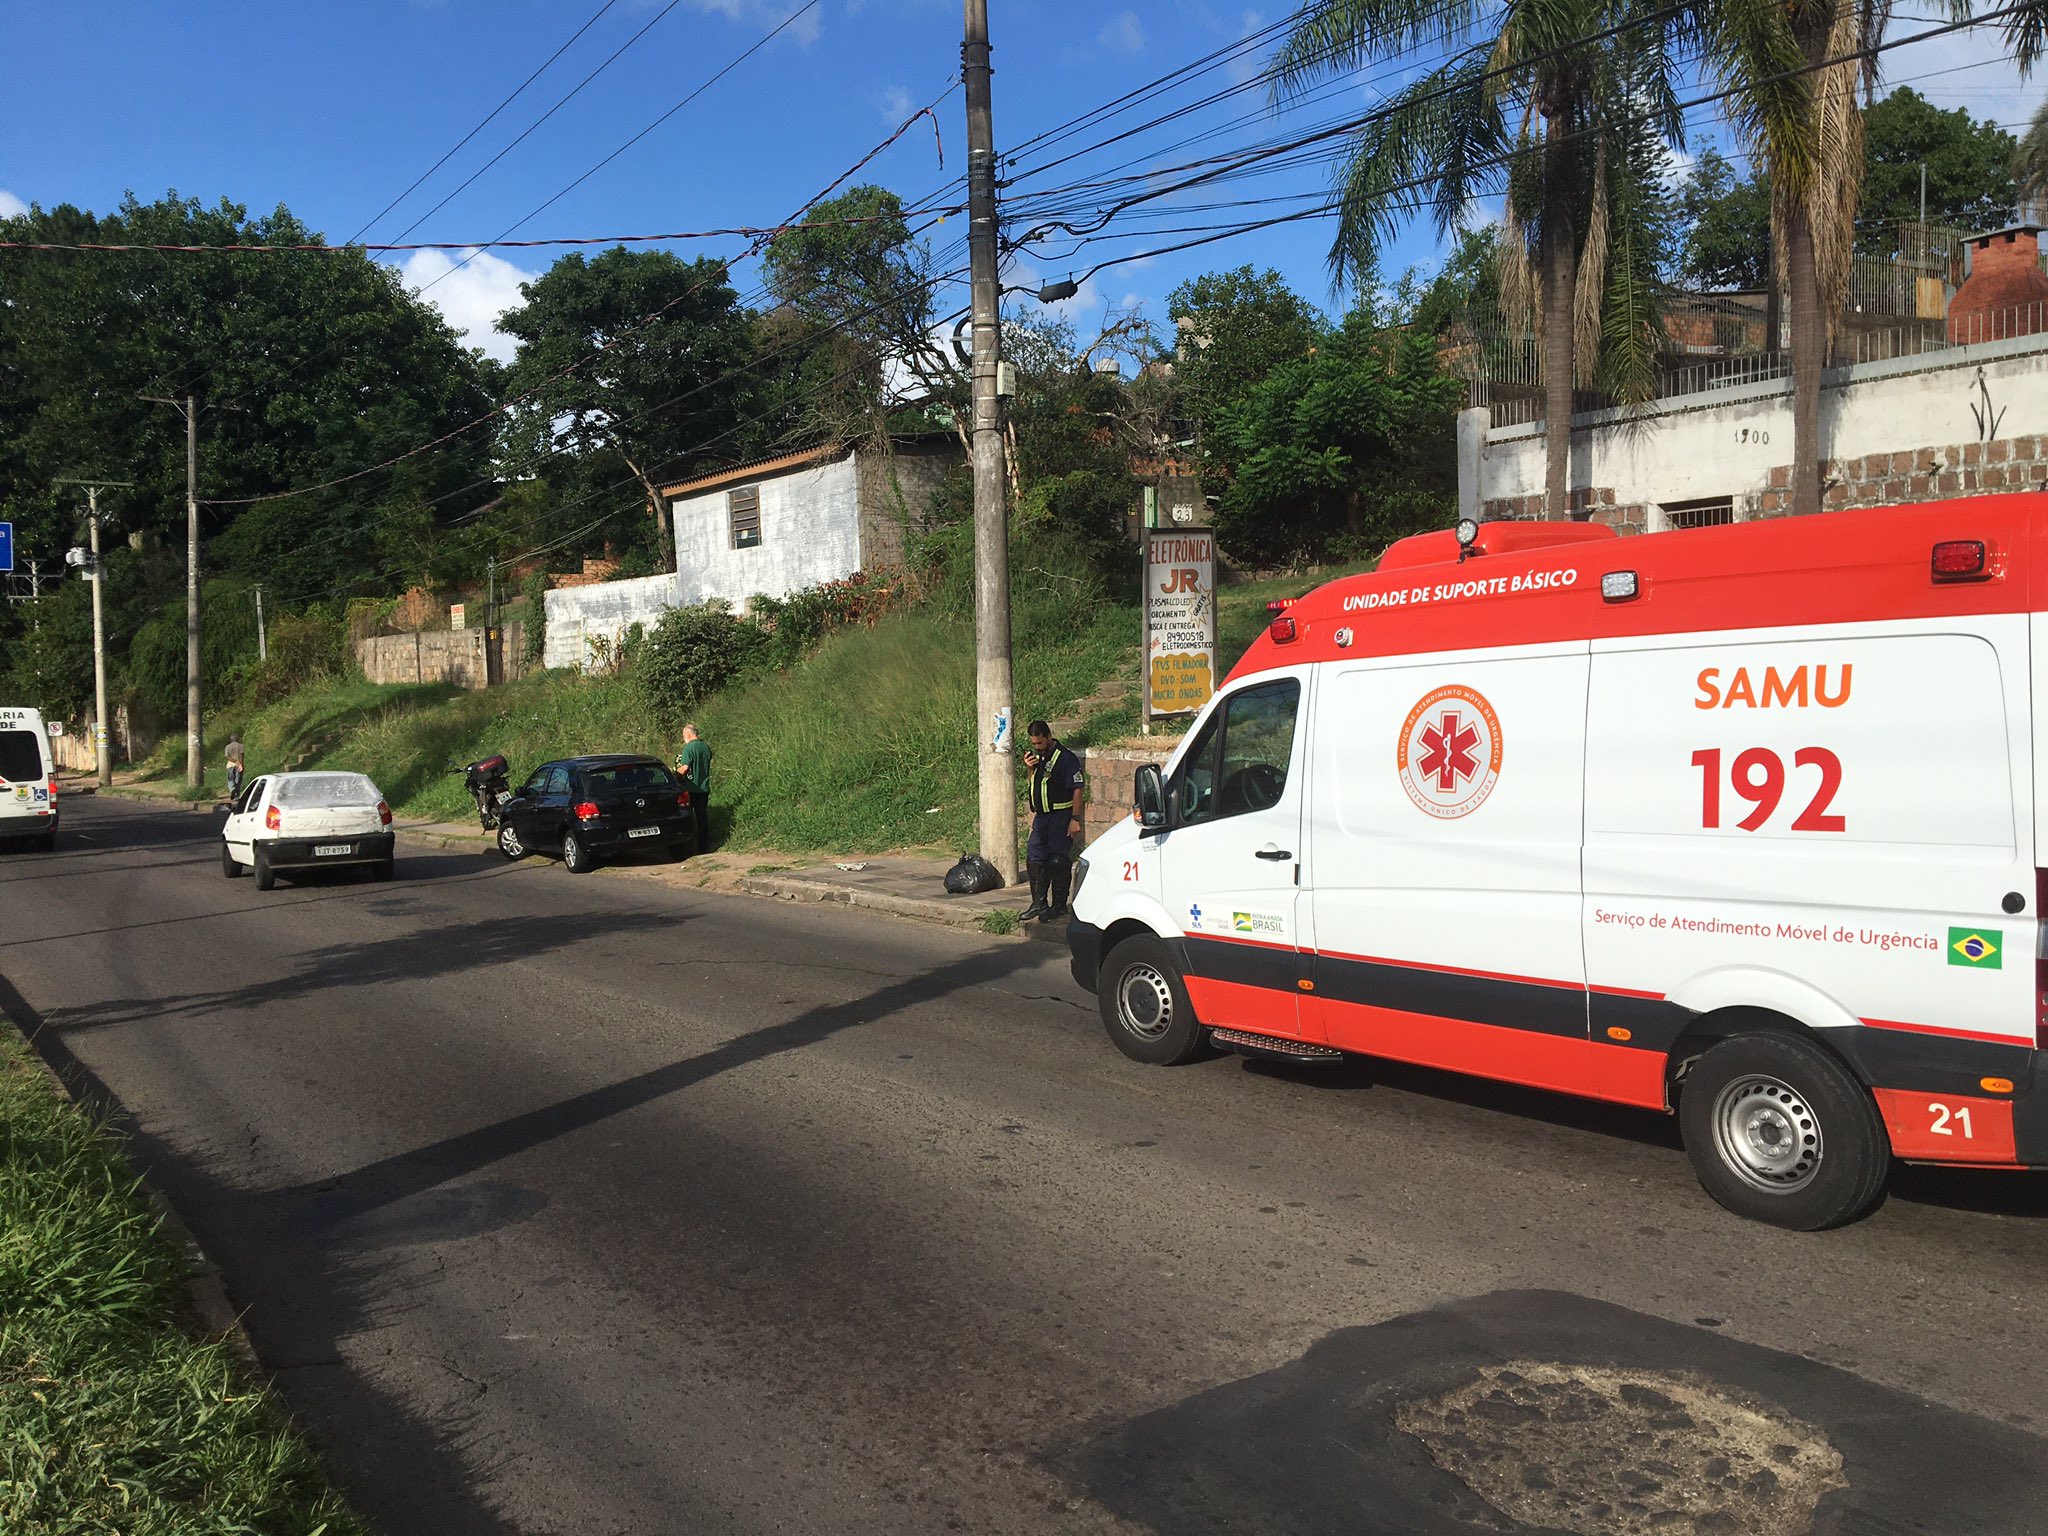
(1450, 751)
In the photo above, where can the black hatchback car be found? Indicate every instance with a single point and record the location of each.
(592, 808)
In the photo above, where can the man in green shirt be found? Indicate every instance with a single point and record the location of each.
(695, 761)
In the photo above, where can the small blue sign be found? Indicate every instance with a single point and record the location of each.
(6, 546)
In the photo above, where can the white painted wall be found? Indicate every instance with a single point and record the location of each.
(608, 608)
(810, 533)
(1725, 442)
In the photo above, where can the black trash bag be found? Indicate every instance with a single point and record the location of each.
(973, 873)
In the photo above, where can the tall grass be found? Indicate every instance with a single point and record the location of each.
(866, 744)
(113, 1415)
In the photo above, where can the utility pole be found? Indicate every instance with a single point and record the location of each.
(103, 749)
(491, 668)
(994, 702)
(262, 644)
(194, 758)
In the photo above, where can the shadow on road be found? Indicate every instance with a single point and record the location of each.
(325, 1253)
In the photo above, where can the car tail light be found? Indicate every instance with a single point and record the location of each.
(586, 810)
(53, 789)
(271, 820)
(384, 812)
(683, 798)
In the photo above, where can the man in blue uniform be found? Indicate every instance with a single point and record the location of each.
(1056, 794)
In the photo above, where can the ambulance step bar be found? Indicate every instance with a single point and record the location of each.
(1269, 1045)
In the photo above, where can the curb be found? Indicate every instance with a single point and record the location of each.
(205, 1291)
(879, 901)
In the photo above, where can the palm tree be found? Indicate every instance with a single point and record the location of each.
(2030, 165)
(1566, 108)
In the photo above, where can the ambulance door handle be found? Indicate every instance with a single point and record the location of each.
(1270, 852)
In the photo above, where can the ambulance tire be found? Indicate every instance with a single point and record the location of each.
(1145, 1006)
(1780, 1131)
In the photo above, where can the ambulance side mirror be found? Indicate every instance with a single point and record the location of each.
(1148, 797)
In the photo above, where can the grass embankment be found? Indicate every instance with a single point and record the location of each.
(114, 1414)
(865, 745)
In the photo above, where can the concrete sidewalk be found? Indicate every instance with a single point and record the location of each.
(905, 886)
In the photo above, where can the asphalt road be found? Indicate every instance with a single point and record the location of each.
(600, 1205)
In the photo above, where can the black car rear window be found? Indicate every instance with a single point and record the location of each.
(631, 776)
(21, 757)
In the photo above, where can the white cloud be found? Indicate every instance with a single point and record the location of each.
(767, 13)
(1123, 32)
(896, 104)
(10, 205)
(471, 296)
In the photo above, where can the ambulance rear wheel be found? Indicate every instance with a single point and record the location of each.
(1780, 1131)
(1145, 1006)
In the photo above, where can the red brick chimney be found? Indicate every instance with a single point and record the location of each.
(2007, 292)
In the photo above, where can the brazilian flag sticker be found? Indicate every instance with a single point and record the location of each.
(1976, 946)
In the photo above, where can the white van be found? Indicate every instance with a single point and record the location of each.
(28, 778)
(1740, 823)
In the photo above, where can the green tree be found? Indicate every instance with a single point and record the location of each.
(1233, 328)
(856, 281)
(1565, 107)
(1345, 444)
(1724, 224)
(1969, 169)
(629, 361)
(317, 366)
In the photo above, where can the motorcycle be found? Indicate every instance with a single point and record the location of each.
(488, 786)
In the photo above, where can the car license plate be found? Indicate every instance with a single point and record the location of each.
(643, 832)
(323, 850)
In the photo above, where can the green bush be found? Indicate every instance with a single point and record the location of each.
(693, 652)
(304, 648)
(794, 625)
(535, 590)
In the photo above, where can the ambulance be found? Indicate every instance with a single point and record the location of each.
(1740, 824)
(28, 778)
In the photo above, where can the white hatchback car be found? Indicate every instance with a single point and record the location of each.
(297, 821)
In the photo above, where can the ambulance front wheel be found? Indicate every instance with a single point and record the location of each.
(1145, 1006)
(1778, 1130)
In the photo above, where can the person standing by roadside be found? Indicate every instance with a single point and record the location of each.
(695, 761)
(234, 757)
(1056, 795)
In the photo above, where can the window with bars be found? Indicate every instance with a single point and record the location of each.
(1703, 512)
(743, 508)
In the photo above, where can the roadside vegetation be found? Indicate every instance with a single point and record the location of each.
(115, 1414)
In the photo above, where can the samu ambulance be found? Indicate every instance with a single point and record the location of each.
(1740, 823)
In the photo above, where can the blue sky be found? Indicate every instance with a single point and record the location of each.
(335, 109)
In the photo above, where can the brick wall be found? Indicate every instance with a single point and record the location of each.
(1920, 474)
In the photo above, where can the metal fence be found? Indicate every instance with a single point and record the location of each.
(1505, 375)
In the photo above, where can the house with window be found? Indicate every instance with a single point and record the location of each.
(782, 524)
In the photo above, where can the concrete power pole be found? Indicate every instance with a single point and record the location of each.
(194, 758)
(262, 643)
(994, 701)
(103, 750)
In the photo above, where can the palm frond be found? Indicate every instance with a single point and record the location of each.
(1339, 35)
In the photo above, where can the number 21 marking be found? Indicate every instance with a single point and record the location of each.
(1943, 1115)
(1130, 870)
